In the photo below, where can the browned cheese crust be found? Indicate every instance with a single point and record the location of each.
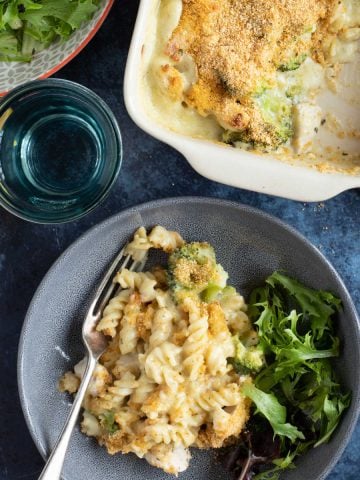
(237, 46)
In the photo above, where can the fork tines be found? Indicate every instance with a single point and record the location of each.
(107, 286)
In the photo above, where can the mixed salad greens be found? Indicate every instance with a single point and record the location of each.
(297, 397)
(29, 26)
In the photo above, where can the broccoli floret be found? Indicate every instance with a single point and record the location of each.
(107, 420)
(214, 292)
(261, 87)
(275, 128)
(192, 268)
(293, 63)
(231, 136)
(294, 90)
(210, 293)
(276, 111)
(244, 137)
(247, 359)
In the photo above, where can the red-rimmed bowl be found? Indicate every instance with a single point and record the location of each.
(52, 59)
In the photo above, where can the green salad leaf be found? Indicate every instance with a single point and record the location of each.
(273, 411)
(29, 26)
(297, 390)
(318, 305)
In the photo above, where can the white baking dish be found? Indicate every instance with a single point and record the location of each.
(239, 168)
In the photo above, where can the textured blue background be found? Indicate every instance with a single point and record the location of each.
(150, 170)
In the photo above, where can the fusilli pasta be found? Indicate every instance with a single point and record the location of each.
(164, 383)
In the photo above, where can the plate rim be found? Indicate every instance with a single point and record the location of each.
(165, 202)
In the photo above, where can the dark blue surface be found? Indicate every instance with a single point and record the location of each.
(150, 170)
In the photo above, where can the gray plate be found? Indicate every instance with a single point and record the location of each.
(249, 244)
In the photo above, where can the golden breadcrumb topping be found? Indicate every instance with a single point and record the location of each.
(238, 46)
(191, 273)
(208, 438)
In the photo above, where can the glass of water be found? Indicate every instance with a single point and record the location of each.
(60, 151)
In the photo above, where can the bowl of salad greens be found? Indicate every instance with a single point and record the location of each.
(38, 37)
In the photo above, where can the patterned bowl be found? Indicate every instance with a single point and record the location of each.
(52, 59)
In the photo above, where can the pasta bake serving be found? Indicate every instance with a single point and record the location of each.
(187, 360)
(249, 72)
(165, 383)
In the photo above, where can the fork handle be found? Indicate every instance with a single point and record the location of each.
(53, 467)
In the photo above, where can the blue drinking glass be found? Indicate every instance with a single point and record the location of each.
(60, 151)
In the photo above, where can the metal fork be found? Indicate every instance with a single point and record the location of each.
(95, 343)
